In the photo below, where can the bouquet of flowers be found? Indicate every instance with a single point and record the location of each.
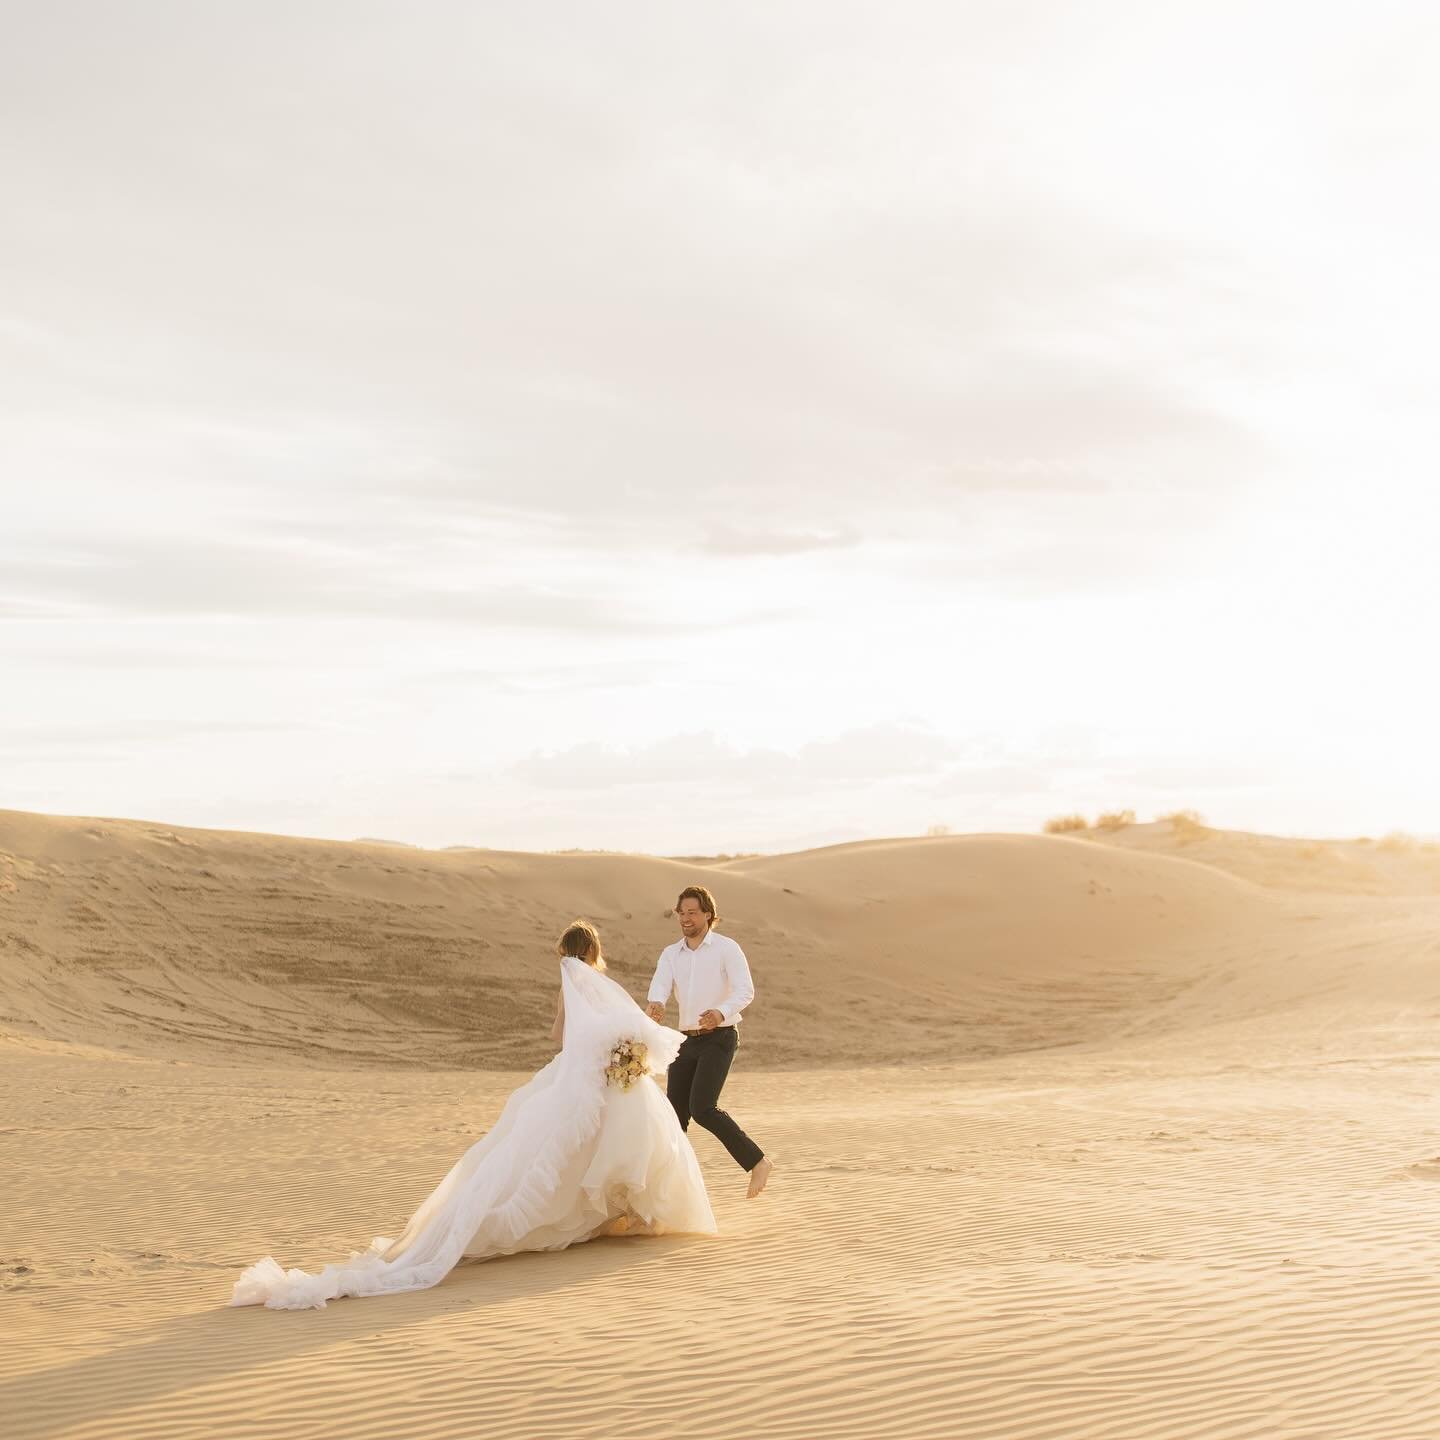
(629, 1062)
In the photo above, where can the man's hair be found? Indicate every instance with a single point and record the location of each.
(706, 899)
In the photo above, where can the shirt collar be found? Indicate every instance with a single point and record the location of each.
(685, 944)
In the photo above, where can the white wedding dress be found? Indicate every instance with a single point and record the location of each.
(569, 1156)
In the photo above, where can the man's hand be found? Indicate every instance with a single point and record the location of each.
(656, 1011)
(710, 1019)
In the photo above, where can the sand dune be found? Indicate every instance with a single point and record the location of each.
(199, 944)
(1078, 1138)
(1393, 865)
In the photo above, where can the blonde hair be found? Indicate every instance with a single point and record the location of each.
(581, 940)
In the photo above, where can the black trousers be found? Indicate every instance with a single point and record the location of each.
(694, 1085)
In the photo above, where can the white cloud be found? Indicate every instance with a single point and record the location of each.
(858, 757)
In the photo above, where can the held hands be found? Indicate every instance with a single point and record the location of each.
(710, 1020)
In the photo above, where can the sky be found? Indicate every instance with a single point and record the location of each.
(699, 429)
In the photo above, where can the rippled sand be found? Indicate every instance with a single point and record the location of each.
(1203, 1207)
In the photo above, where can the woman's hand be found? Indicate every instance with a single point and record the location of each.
(656, 1012)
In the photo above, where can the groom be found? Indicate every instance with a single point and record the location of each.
(712, 981)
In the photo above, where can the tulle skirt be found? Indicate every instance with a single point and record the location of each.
(568, 1158)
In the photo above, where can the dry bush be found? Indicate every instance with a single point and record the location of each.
(1397, 842)
(1313, 851)
(1066, 824)
(690, 859)
(1193, 817)
(1187, 825)
(938, 830)
(1115, 820)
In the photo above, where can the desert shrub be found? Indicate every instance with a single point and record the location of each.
(1115, 820)
(1192, 817)
(687, 859)
(1066, 824)
(938, 830)
(1312, 851)
(1397, 842)
(1187, 825)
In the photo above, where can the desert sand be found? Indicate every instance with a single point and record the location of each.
(1115, 1135)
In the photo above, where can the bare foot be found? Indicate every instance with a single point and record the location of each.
(758, 1176)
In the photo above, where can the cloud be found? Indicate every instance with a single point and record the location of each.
(579, 678)
(480, 322)
(103, 742)
(466, 262)
(55, 650)
(1006, 778)
(725, 540)
(871, 753)
(1190, 774)
(209, 577)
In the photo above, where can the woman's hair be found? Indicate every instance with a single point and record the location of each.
(706, 899)
(582, 940)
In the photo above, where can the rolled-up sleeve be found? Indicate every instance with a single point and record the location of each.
(664, 981)
(741, 988)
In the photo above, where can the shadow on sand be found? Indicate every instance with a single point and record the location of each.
(189, 1351)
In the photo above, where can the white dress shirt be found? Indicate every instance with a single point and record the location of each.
(713, 976)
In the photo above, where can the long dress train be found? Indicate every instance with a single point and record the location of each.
(568, 1157)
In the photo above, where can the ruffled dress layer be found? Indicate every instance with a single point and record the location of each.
(569, 1156)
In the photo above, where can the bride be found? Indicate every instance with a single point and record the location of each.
(576, 1153)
